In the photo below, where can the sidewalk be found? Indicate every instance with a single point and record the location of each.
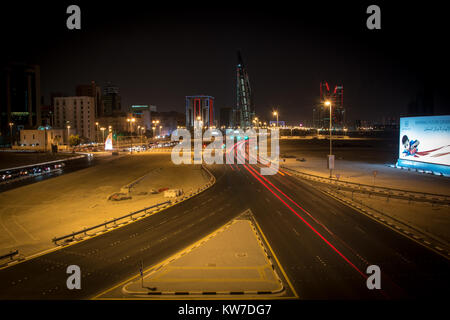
(359, 172)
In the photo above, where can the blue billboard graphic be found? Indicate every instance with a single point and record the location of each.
(425, 140)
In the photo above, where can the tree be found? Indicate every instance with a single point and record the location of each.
(74, 140)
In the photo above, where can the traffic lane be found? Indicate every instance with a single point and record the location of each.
(411, 266)
(114, 256)
(316, 271)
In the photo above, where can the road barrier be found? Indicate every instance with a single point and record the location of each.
(165, 204)
(114, 221)
(21, 173)
(375, 190)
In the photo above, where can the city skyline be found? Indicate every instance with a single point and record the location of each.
(170, 56)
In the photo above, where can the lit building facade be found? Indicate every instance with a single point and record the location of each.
(92, 90)
(78, 113)
(321, 112)
(199, 108)
(41, 139)
(143, 112)
(244, 113)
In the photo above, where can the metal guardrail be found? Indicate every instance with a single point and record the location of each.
(10, 255)
(72, 235)
(41, 164)
(377, 190)
(104, 224)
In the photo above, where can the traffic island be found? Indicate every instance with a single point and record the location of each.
(231, 262)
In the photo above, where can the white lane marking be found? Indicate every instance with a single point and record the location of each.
(23, 228)
(4, 227)
(298, 234)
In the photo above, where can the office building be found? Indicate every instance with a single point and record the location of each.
(111, 100)
(76, 115)
(92, 90)
(199, 109)
(20, 98)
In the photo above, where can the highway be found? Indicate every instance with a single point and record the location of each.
(323, 245)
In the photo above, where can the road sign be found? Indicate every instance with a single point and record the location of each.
(331, 161)
(374, 175)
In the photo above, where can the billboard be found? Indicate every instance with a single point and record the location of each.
(425, 139)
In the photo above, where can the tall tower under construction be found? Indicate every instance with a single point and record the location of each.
(244, 112)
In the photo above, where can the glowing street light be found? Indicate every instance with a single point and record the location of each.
(103, 132)
(328, 104)
(96, 132)
(275, 113)
(11, 124)
(68, 128)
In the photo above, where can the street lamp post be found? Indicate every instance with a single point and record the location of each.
(96, 132)
(275, 113)
(328, 103)
(11, 134)
(103, 133)
(131, 121)
(68, 128)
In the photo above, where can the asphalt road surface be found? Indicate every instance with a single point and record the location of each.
(323, 245)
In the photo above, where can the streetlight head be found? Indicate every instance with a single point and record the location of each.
(328, 103)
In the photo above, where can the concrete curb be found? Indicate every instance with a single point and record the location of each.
(198, 244)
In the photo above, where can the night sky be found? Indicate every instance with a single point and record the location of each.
(159, 54)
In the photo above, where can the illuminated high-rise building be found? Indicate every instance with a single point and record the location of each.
(92, 90)
(20, 98)
(111, 100)
(244, 112)
(199, 109)
(321, 113)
